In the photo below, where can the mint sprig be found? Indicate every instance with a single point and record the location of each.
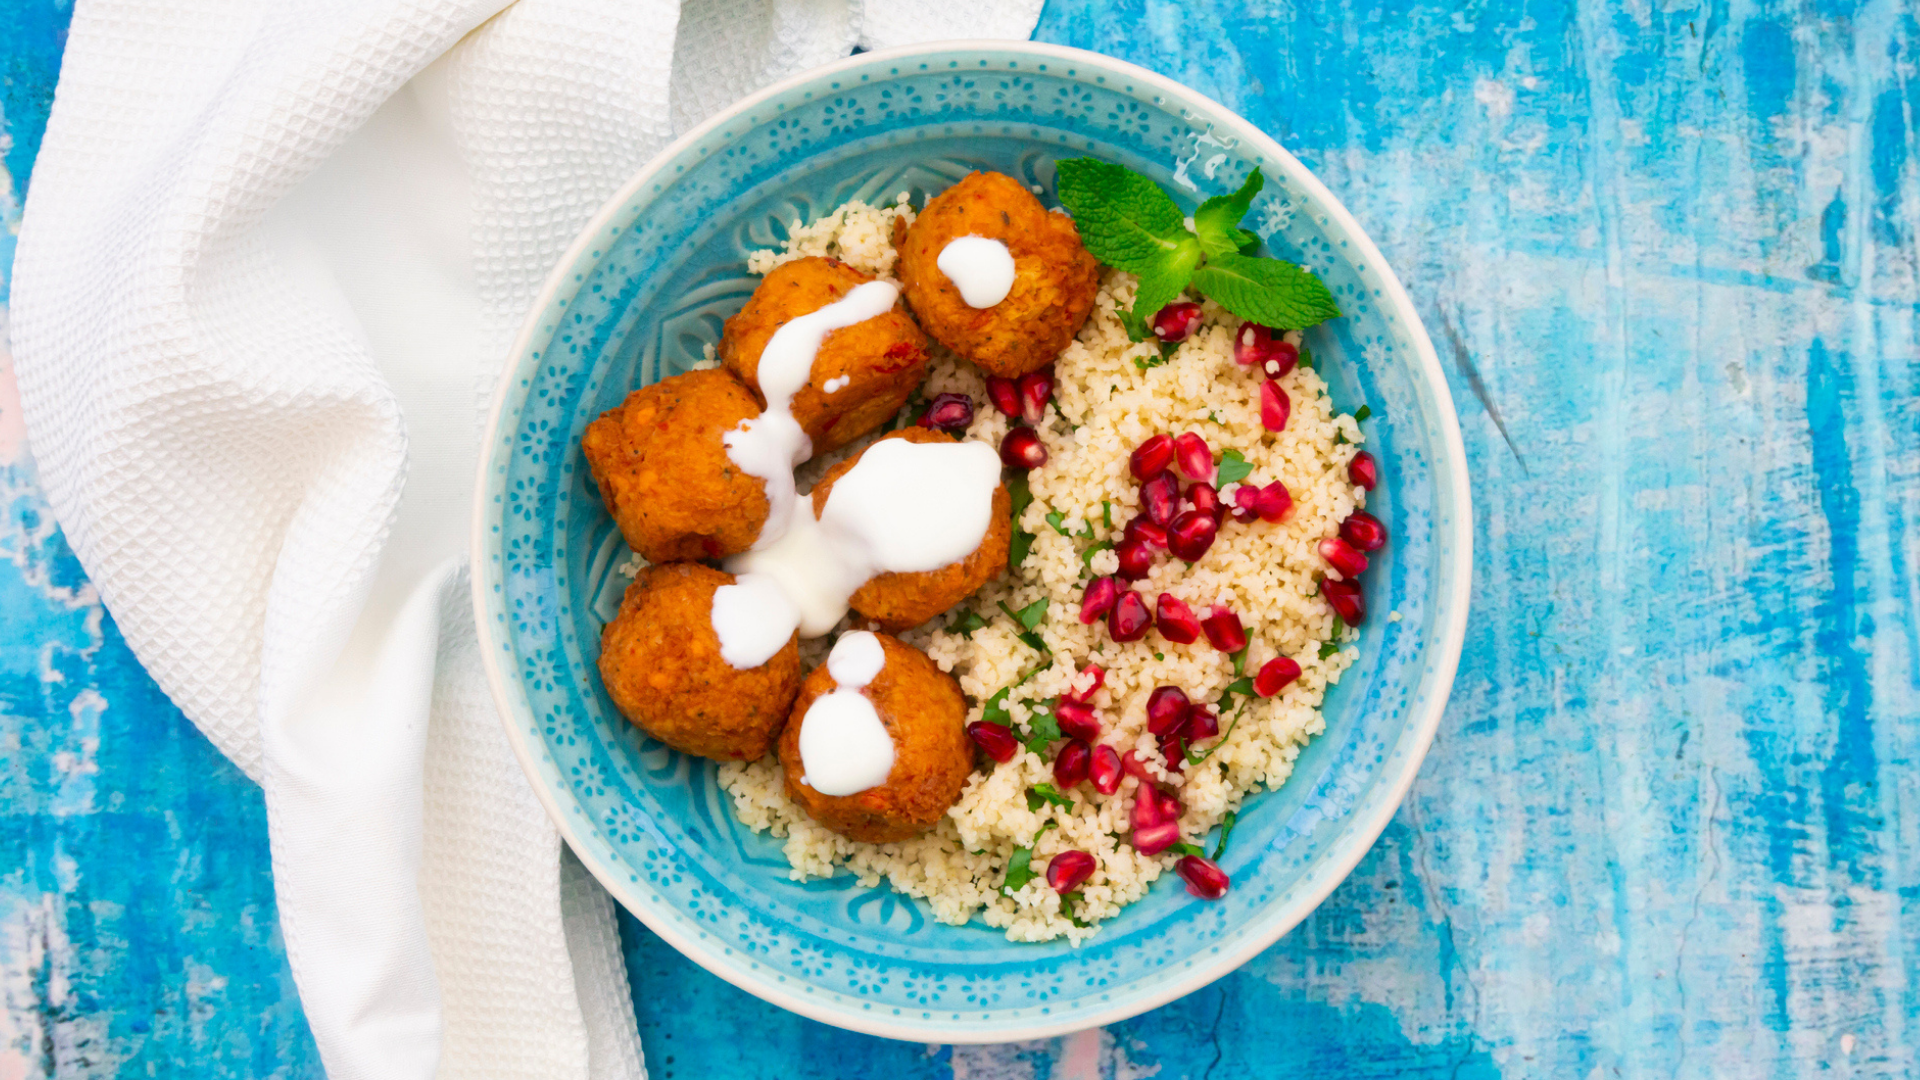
(1217, 222)
(1130, 223)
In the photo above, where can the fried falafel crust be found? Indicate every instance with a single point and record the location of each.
(1055, 278)
(923, 710)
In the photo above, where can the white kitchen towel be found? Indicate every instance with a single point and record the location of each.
(269, 253)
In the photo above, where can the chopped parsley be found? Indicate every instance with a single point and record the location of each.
(1040, 795)
(1226, 830)
(1021, 495)
(968, 623)
(1362, 413)
(1019, 871)
(1234, 467)
(1043, 728)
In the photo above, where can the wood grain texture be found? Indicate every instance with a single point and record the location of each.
(1669, 256)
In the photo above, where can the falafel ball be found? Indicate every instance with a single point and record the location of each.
(862, 373)
(900, 601)
(1055, 278)
(660, 660)
(662, 467)
(922, 709)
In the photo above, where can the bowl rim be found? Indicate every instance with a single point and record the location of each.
(1422, 724)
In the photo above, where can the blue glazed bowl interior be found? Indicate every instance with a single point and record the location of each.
(648, 288)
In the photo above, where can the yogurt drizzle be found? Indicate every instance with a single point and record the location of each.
(904, 507)
(980, 268)
(844, 748)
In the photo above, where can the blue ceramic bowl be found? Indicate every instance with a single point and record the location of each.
(648, 284)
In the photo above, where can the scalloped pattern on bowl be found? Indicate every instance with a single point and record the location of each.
(649, 285)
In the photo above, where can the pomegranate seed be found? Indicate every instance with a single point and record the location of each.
(1005, 395)
(1281, 356)
(1099, 677)
(1206, 499)
(1036, 389)
(1364, 531)
(1204, 879)
(1363, 470)
(1176, 321)
(1152, 457)
(1131, 764)
(1346, 600)
(1136, 559)
(1191, 534)
(1146, 532)
(1160, 498)
(952, 413)
(1343, 557)
(1176, 620)
(1166, 709)
(1022, 449)
(1169, 807)
(1069, 870)
(996, 739)
(1275, 675)
(1070, 767)
(1130, 618)
(1105, 770)
(1223, 629)
(1270, 503)
(1174, 749)
(1098, 599)
(1275, 406)
(1077, 719)
(1252, 344)
(1193, 456)
(1202, 723)
(1156, 838)
(1147, 809)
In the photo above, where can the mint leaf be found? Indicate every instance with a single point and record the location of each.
(1234, 467)
(1106, 512)
(968, 623)
(1161, 283)
(1019, 871)
(1042, 728)
(1184, 848)
(1226, 830)
(1069, 898)
(1218, 219)
(1240, 658)
(1267, 291)
(1059, 522)
(1328, 648)
(1124, 219)
(1040, 795)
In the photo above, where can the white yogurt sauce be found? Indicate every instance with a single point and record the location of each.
(904, 507)
(844, 748)
(980, 268)
(834, 386)
(771, 444)
(753, 619)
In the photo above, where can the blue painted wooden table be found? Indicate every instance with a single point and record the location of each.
(1671, 256)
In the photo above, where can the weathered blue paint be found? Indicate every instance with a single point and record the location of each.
(1669, 254)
